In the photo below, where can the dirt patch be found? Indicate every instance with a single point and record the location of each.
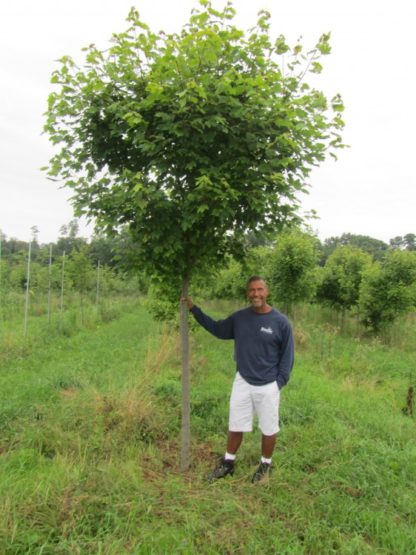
(69, 393)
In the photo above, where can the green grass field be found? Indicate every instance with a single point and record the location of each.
(89, 447)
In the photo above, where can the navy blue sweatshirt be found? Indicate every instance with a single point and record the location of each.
(263, 343)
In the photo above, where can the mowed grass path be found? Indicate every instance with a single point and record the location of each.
(89, 453)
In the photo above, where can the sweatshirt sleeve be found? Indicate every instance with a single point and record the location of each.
(286, 358)
(223, 329)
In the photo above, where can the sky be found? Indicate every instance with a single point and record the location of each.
(369, 190)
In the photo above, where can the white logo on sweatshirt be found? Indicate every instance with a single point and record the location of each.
(266, 330)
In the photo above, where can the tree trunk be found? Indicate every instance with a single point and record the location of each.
(186, 405)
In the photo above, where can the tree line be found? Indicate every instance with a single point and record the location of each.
(350, 273)
(80, 257)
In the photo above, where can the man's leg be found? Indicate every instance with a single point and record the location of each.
(267, 445)
(240, 418)
(226, 465)
(267, 407)
(234, 441)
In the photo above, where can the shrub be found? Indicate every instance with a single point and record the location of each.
(388, 290)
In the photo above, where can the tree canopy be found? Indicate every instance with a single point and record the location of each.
(388, 290)
(375, 247)
(342, 276)
(192, 139)
(408, 242)
(292, 264)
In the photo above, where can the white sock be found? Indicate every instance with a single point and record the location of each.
(229, 457)
(264, 460)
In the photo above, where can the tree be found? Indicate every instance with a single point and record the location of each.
(342, 276)
(35, 233)
(388, 290)
(14, 246)
(292, 265)
(228, 284)
(68, 240)
(81, 274)
(375, 247)
(410, 241)
(102, 250)
(192, 140)
(407, 242)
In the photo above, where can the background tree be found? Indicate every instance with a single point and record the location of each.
(396, 242)
(68, 239)
(375, 247)
(407, 242)
(388, 290)
(192, 140)
(292, 269)
(12, 247)
(341, 277)
(228, 283)
(81, 274)
(102, 249)
(410, 241)
(35, 247)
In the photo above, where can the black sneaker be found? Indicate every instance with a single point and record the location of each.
(262, 474)
(223, 468)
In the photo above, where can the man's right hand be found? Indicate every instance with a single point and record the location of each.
(188, 300)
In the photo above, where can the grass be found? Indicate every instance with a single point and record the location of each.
(41, 330)
(89, 448)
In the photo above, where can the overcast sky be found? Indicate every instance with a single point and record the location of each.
(371, 188)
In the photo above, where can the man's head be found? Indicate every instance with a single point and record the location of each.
(257, 293)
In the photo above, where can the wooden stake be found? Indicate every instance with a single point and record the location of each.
(27, 290)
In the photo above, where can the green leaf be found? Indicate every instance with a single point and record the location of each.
(316, 67)
(337, 104)
(280, 45)
(323, 45)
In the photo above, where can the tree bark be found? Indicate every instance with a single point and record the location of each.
(186, 404)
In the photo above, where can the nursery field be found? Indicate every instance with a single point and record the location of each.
(89, 443)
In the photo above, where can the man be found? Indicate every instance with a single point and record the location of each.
(264, 353)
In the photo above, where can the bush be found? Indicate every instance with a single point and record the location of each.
(388, 290)
(341, 277)
(292, 268)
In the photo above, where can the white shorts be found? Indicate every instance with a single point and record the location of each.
(249, 400)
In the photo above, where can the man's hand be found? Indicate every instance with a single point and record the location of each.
(188, 300)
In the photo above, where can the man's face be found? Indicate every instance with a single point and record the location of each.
(257, 294)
